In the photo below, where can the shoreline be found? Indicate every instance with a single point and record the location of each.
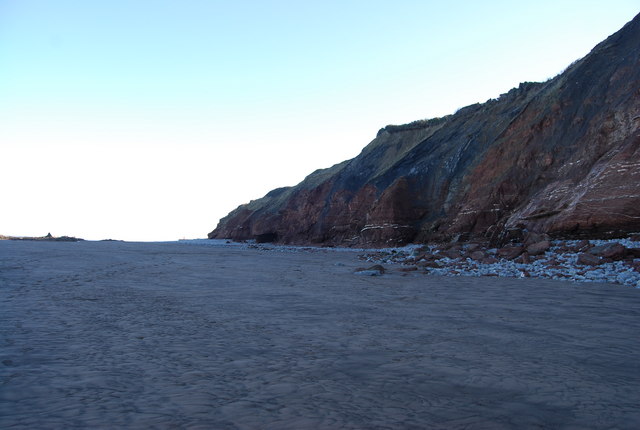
(615, 261)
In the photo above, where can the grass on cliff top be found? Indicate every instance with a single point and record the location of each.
(276, 199)
(390, 146)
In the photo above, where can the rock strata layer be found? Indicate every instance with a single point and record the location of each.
(559, 158)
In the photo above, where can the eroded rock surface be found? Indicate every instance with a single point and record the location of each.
(560, 158)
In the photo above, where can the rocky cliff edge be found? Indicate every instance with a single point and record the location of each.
(560, 157)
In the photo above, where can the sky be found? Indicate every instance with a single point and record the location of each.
(149, 120)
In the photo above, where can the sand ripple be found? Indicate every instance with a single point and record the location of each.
(125, 335)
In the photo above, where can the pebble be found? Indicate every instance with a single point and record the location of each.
(564, 259)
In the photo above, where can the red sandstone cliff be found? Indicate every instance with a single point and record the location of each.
(560, 157)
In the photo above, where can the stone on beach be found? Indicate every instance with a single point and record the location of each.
(477, 255)
(510, 252)
(538, 247)
(617, 260)
(614, 251)
(375, 270)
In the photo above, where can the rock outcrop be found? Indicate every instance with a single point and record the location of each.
(47, 238)
(560, 157)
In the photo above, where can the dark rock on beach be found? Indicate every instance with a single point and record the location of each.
(47, 238)
(510, 252)
(375, 270)
(614, 251)
(477, 255)
(538, 247)
(613, 260)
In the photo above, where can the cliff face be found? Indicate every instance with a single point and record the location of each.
(560, 157)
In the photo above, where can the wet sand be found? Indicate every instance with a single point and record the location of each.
(173, 335)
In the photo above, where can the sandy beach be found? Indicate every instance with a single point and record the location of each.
(179, 335)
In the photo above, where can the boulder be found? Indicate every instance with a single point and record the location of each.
(523, 258)
(489, 260)
(423, 256)
(583, 245)
(473, 247)
(510, 252)
(431, 264)
(613, 251)
(477, 255)
(588, 259)
(452, 253)
(538, 248)
(375, 270)
(532, 238)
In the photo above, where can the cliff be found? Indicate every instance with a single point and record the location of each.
(560, 157)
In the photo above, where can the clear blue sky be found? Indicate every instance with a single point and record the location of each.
(150, 120)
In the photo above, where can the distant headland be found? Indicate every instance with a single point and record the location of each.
(47, 238)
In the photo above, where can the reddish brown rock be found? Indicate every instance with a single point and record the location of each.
(583, 245)
(532, 238)
(560, 158)
(432, 264)
(449, 253)
(424, 256)
(616, 252)
(510, 252)
(473, 247)
(538, 248)
(523, 259)
(477, 255)
(589, 259)
(613, 251)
